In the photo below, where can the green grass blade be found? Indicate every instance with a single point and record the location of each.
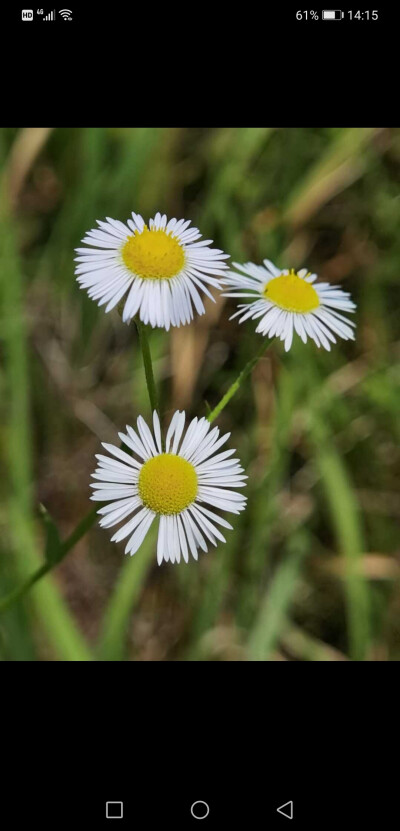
(126, 592)
(210, 599)
(344, 512)
(262, 510)
(342, 163)
(49, 606)
(275, 606)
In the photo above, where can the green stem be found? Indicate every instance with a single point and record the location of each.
(239, 380)
(65, 547)
(148, 366)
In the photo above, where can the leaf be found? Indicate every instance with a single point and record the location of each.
(53, 547)
(275, 606)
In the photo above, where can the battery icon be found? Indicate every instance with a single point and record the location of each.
(332, 15)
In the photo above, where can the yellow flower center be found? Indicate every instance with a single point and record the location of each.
(292, 293)
(167, 484)
(153, 255)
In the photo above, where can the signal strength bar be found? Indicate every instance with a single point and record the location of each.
(51, 15)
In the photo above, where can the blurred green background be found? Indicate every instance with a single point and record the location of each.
(311, 571)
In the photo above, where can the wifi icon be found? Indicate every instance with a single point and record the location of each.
(66, 14)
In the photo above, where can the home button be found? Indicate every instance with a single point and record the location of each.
(199, 809)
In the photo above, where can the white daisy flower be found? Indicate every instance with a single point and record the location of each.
(173, 484)
(160, 268)
(288, 300)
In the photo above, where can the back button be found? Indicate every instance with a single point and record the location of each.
(286, 810)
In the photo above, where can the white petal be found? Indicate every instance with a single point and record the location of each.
(157, 431)
(161, 540)
(126, 529)
(189, 534)
(139, 535)
(182, 539)
(171, 430)
(116, 451)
